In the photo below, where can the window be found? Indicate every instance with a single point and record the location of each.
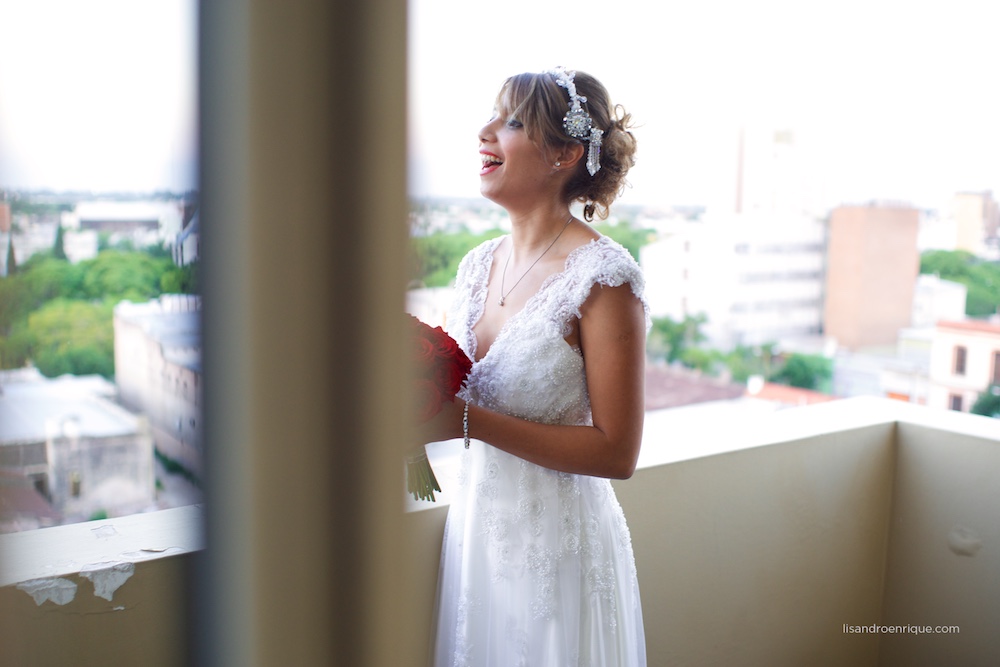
(72, 411)
(955, 402)
(996, 368)
(960, 354)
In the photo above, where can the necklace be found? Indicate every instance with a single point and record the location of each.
(503, 277)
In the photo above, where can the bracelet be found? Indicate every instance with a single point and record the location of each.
(465, 424)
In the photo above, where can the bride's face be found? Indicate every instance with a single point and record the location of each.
(513, 167)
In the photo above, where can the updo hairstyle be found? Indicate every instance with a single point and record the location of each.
(539, 103)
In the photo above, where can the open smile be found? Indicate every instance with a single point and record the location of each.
(490, 163)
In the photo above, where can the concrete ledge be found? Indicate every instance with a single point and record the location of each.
(63, 550)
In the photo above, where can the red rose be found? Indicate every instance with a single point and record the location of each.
(446, 345)
(428, 401)
(449, 378)
(425, 354)
(440, 367)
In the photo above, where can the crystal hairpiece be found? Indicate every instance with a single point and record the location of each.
(577, 123)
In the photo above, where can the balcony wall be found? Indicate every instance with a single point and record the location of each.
(755, 543)
(99, 593)
(758, 541)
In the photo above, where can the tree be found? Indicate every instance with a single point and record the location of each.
(39, 280)
(69, 336)
(123, 275)
(11, 260)
(807, 371)
(435, 257)
(988, 403)
(949, 264)
(980, 277)
(48, 278)
(669, 338)
(58, 248)
(630, 237)
(700, 359)
(60, 315)
(743, 361)
(181, 280)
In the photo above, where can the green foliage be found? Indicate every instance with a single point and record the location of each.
(435, 257)
(670, 339)
(173, 467)
(29, 207)
(60, 315)
(948, 264)
(632, 238)
(50, 278)
(15, 347)
(103, 241)
(743, 361)
(807, 371)
(74, 337)
(980, 277)
(11, 262)
(158, 250)
(134, 276)
(988, 403)
(181, 280)
(678, 342)
(58, 248)
(99, 515)
(701, 359)
(37, 281)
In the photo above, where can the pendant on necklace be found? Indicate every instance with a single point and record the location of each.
(501, 301)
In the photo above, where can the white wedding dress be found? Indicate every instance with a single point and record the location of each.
(537, 567)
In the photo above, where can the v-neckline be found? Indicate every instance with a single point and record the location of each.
(529, 302)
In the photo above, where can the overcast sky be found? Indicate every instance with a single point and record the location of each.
(98, 94)
(887, 99)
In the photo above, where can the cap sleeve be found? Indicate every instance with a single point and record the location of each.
(603, 262)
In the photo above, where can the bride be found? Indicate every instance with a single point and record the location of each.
(537, 565)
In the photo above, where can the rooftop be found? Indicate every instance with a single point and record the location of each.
(173, 321)
(980, 326)
(669, 387)
(32, 407)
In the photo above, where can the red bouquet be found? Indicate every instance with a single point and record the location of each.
(440, 368)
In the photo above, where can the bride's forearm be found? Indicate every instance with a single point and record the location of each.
(584, 450)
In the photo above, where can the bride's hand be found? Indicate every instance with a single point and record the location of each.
(445, 425)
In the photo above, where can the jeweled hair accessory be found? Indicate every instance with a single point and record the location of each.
(577, 122)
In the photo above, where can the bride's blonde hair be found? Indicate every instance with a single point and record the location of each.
(540, 104)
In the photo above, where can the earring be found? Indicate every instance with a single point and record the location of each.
(557, 164)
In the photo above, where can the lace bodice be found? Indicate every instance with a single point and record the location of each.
(530, 371)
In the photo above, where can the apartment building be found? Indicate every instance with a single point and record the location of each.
(965, 361)
(871, 273)
(757, 277)
(158, 371)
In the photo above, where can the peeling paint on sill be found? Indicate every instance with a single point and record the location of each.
(61, 591)
(108, 577)
(104, 532)
(147, 554)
